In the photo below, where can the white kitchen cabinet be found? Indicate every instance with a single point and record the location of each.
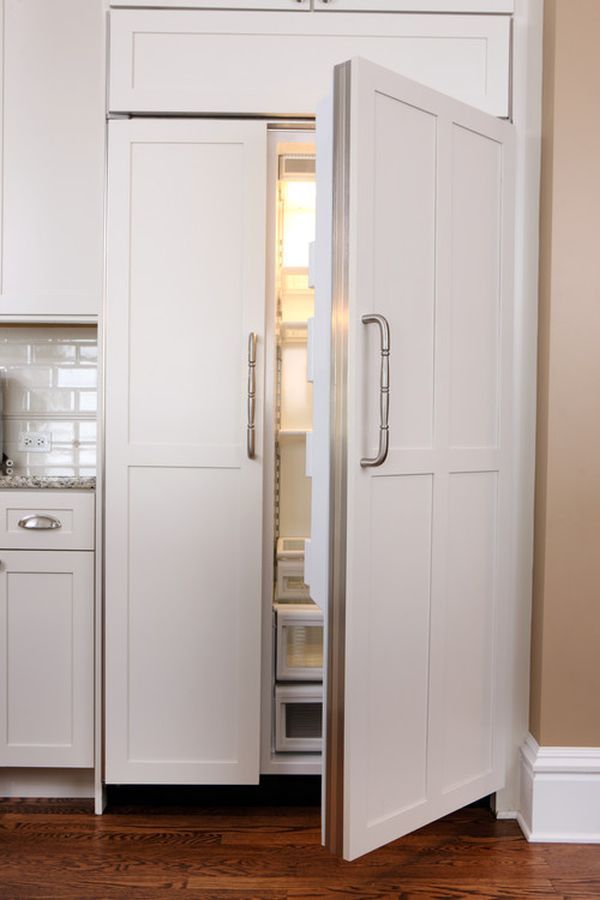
(52, 154)
(191, 61)
(47, 654)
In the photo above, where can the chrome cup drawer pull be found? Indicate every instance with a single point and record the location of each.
(39, 523)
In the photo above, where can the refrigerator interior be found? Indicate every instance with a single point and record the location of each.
(297, 633)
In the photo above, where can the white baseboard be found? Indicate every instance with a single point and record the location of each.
(560, 794)
(67, 783)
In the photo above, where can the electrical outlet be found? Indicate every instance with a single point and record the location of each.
(34, 442)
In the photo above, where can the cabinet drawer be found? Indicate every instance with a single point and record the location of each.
(204, 61)
(299, 718)
(47, 658)
(46, 520)
(299, 643)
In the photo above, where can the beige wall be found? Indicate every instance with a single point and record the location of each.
(565, 684)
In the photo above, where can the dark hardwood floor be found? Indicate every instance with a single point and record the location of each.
(60, 849)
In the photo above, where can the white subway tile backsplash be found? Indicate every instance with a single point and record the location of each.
(54, 353)
(88, 353)
(77, 377)
(54, 401)
(88, 401)
(50, 386)
(88, 431)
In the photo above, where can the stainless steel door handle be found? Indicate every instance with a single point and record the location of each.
(384, 390)
(39, 523)
(250, 432)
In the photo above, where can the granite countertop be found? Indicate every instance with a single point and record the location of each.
(61, 482)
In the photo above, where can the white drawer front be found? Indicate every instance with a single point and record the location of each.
(46, 520)
(193, 61)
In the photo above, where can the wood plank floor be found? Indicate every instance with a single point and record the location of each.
(60, 849)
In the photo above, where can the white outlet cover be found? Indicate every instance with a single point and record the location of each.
(34, 442)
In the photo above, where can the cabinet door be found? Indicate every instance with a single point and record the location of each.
(47, 655)
(52, 154)
(421, 472)
(186, 269)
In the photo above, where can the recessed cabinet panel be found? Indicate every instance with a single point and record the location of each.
(52, 158)
(475, 334)
(469, 618)
(399, 599)
(46, 647)
(186, 198)
(187, 620)
(403, 270)
(204, 61)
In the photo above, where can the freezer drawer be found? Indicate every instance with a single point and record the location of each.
(299, 718)
(299, 643)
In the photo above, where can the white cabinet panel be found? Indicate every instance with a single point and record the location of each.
(47, 651)
(183, 499)
(470, 620)
(404, 249)
(52, 125)
(195, 61)
(476, 285)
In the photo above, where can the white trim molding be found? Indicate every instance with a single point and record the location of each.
(560, 793)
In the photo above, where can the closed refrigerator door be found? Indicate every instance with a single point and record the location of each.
(184, 402)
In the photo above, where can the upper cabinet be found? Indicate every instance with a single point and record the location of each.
(204, 61)
(52, 129)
